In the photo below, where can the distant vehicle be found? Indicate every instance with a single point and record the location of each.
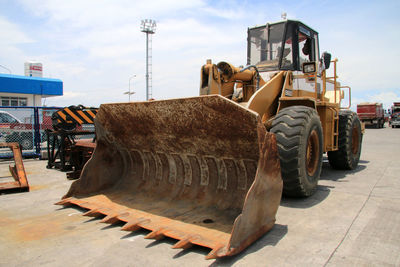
(371, 114)
(387, 116)
(7, 118)
(13, 130)
(395, 117)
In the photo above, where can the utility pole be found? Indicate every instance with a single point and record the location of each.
(129, 93)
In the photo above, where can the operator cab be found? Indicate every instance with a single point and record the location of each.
(284, 45)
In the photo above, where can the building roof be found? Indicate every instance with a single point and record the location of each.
(30, 85)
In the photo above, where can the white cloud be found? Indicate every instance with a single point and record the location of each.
(11, 34)
(226, 13)
(94, 46)
(386, 98)
(103, 13)
(12, 37)
(73, 95)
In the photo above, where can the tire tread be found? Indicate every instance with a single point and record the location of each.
(289, 126)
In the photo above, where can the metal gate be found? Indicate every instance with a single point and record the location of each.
(26, 126)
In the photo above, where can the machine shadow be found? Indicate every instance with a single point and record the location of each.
(302, 203)
(331, 174)
(323, 191)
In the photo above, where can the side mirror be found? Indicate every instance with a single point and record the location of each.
(326, 59)
(309, 67)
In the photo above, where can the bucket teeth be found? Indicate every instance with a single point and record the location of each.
(92, 213)
(112, 218)
(214, 253)
(64, 202)
(130, 227)
(134, 225)
(157, 235)
(184, 243)
(124, 215)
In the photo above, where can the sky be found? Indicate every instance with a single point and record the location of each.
(96, 47)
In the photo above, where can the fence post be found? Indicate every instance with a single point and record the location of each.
(36, 126)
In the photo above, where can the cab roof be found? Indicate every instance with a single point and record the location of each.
(286, 21)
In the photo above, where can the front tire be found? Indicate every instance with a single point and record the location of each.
(349, 146)
(300, 146)
(26, 141)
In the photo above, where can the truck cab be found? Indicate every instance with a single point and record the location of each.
(395, 117)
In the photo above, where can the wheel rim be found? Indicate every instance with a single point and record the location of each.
(312, 156)
(355, 140)
(26, 144)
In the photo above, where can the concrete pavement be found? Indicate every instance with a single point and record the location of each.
(352, 220)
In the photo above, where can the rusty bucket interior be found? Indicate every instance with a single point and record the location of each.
(201, 170)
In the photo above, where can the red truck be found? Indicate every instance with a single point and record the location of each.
(371, 114)
(395, 116)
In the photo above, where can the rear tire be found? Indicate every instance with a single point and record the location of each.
(300, 146)
(349, 146)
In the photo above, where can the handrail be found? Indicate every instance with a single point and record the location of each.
(348, 87)
(335, 77)
(331, 79)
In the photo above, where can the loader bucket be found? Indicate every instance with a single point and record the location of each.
(201, 170)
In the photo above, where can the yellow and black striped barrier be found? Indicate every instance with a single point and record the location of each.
(70, 117)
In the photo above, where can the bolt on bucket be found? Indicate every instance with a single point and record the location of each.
(201, 170)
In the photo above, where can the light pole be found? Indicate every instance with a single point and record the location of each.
(129, 93)
(148, 26)
(6, 68)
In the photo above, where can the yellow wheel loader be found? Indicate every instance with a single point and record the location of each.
(208, 170)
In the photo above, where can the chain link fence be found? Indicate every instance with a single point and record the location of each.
(26, 126)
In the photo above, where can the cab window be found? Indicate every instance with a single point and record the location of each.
(287, 51)
(305, 41)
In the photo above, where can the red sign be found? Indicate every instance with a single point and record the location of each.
(38, 68)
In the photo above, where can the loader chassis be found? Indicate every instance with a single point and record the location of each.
(285, 72)
(299, 44)
(210, 170)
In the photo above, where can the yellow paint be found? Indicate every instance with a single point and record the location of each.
(73, 115)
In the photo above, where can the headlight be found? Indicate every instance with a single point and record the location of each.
(309, 67)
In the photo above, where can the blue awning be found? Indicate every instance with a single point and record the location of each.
(30, 85)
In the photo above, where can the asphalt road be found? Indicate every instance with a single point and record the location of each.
(352, 220)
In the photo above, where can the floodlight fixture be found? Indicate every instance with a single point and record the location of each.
(148, 26)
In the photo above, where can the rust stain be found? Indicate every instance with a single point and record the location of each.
(36, 231)
(37, 228)
(38, 187)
